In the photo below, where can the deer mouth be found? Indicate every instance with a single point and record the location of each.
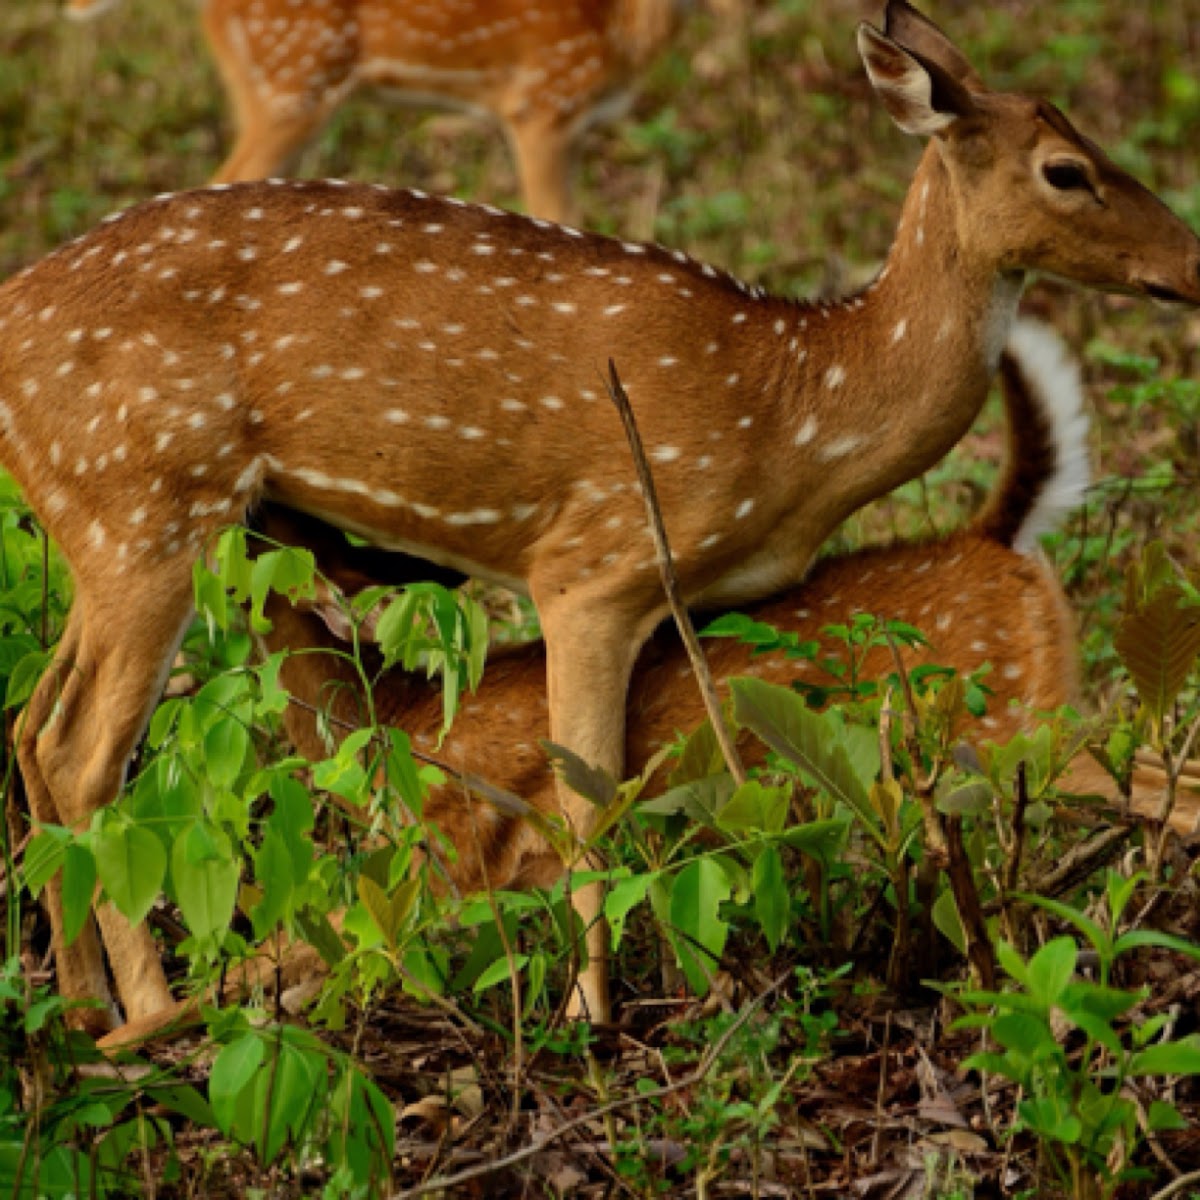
(1161, 294)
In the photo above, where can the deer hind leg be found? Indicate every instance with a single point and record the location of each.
(85, 719)
(590, 651)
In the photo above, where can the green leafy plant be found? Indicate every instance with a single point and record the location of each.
(1076, 1047)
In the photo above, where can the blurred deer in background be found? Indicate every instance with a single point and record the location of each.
(984, 595)
(545, 69)
(428, 374)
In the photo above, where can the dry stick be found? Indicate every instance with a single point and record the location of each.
(707, 1062)
(670, 580)
(980, 953)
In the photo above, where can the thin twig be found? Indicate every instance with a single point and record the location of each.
(670, 580)
(707, 1062)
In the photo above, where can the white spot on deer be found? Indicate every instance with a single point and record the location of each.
(665, 454)
(744, 509)
(522, 512)
(943, 622)
(483, 248)
(807, 431)
(564, 306)
(739, 318)
(613, 309)
(437, 421)
(336, 267)
(899, 331)
(553, 403)
(745, 422)
(835, 377)
(840, 447)
(476, 516)
(708, 541)
(472, 433)
(510, 404)
(291, 288)
(96, 535)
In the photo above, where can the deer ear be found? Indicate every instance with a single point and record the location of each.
(920, 96)
(919, 35)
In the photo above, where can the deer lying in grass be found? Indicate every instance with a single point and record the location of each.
(985, 594)
(428, 374)
(545, 69)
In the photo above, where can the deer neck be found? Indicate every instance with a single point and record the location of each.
(896, 375)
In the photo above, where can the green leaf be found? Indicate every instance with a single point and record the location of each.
(625, 895)
(205, 875)
(132, 863)
(1162, 1116)
(1046, 1116)
(390, 913)
(1026, 1034)
(967, 800)
(1168, 1058)
(698, 930)
(948, 922)
(288, 1088)
(789, 727)
(1093, 932)
(772, 904)
(1138, 938)
(44, 856)
(701, 757)
(226, 745)
(499, 972)
(754, 808)
(78, 888)
(274, 873)
(1052, 968)
(231, 1073)
(24, 677)
(185, 1100)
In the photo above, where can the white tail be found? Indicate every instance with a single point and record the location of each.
(545, 69)
(430, 374)
(985, 595)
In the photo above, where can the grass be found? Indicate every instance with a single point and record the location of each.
(755, 145)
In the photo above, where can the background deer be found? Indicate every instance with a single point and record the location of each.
(984, 595)
(429, 374)
(545, 69)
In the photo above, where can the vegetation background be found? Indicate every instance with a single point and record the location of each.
(755, 145)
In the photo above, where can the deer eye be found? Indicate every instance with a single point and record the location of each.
(1066, 176)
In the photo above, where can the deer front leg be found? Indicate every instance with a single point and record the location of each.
(80, 966)
(84, 722)
(590, 651)
(268, 143)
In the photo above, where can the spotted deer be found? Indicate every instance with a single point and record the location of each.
(429, 374)
(547, 70)
(986, 595)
